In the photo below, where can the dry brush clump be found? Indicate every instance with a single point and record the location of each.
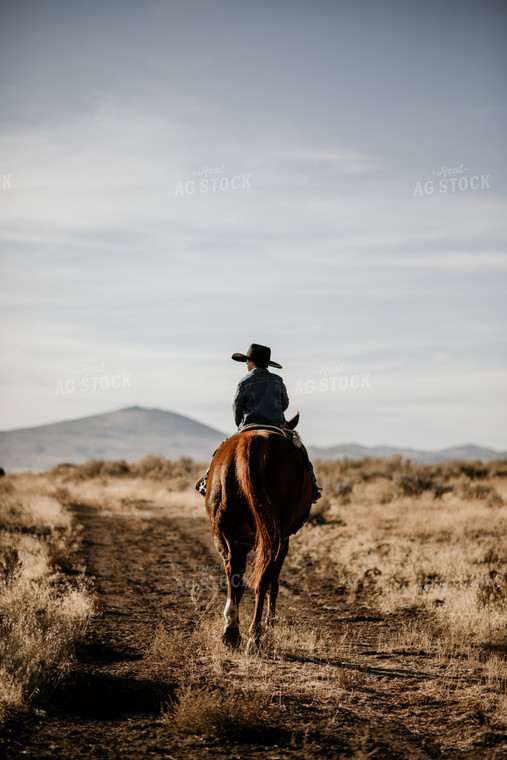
(177, 475)
(218, 711)
(44, 610)
(332, 473)
(233, 696)
(218, 694)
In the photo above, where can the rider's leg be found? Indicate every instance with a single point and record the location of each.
(315, 488)
(296, 439)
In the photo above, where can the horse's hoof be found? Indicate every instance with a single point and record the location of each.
(231, 637)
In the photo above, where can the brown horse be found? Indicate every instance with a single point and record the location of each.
(258, 493)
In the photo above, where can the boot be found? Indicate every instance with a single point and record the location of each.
(200, 485)
(316, 494)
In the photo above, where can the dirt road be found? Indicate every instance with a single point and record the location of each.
(331, 692)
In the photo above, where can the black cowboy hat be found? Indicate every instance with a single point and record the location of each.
(260, 355)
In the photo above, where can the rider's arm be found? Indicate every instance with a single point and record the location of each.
(238, 406)
(285, 397)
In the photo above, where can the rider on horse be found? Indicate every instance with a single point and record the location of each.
(261, 398)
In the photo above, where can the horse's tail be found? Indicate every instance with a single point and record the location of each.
(251, 457)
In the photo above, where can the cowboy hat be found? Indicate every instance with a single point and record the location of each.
(260, 355)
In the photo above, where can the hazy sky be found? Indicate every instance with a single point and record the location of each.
(179, 179)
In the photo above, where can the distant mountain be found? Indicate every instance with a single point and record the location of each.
(355, 451)
(128, 434)
(133, 433)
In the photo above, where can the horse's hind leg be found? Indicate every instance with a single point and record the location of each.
(260, 595)
(273, 588)
(268, 585)
(234, 568)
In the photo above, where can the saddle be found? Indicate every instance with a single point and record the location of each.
(261, 426)
(292, 435)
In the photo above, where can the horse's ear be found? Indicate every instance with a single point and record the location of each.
(291, 424)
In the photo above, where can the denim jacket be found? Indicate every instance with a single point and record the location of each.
(260, 397)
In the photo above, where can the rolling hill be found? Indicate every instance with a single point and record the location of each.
(135, 432)
(129, 434)
(355, 451)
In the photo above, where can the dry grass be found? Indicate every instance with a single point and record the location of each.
(419, 550)
(175, 475)
(424, 547)
(43, 612)
(217, 711)
(442, 554)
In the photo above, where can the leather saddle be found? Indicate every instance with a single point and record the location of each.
(260, 426)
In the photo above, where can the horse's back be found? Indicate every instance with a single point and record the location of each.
(269, 466)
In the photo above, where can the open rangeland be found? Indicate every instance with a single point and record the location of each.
(391, 638)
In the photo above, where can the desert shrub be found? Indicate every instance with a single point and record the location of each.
(474, 470)
(417, 483)
(183, 466)
(341, 489)
(230, 714)
(9, 561)
(319, 511)
(386, 495)
(155, 467)
(492, 590)
(494, 499)
(26, 508)
(117, 469)
(368, 470)
(498, 468)
(409, 485)
(180, 483)
(42, 613)
(159, 468)
(92, 468)
(439, 489)
(65, 468)
(179, 474)
(39, 627)
(470, 491)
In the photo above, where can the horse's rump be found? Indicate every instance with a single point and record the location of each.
(251, 463)
(259, 476)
